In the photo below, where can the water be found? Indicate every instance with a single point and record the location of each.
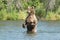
(46, 30)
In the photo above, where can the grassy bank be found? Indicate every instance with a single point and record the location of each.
(4, 15)
(21, 15)
(53, 16)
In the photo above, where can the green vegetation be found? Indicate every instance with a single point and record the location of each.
(16, 10)
(13, 15)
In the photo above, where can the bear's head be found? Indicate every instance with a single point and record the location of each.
(31, 10)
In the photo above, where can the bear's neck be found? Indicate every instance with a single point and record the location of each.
(31, 14)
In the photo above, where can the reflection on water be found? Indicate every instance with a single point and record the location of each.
(46, 30)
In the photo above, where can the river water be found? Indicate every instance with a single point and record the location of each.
(46, 30)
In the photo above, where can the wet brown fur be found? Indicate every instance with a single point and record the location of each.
(31, 20)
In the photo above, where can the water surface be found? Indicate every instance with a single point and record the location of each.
(46, 30)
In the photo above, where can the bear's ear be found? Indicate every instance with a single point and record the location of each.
(32, 7)
(33, 10)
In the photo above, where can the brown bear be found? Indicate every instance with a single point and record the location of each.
(31, 20)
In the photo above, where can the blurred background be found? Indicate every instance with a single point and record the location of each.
(17, 9)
